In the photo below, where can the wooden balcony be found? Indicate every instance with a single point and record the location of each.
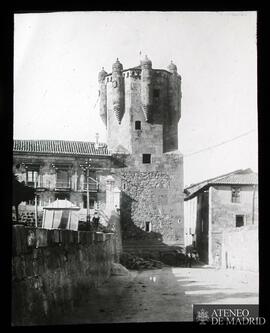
(93, 187)
(63, 185)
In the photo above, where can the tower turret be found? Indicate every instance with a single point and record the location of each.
(172, 68)
(174, 94)
(146, 88)
(118, 90)
(142, 136)
(102, 95)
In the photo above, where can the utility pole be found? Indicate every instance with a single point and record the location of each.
(253, 203)
(86, 167)
(87, 194)
(36, 214)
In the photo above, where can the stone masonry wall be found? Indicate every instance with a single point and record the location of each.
(52, 270)
(155, 195)
(224, 212)
(27, 215)
(240, 248)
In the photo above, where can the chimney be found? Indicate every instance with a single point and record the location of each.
(97, 143)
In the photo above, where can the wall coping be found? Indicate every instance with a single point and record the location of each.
(25, 239)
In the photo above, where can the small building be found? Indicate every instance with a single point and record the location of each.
(61, 214)
(218, 210)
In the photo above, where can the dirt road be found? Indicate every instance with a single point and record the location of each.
(164, 295)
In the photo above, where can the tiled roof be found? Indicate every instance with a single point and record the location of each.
(60, 147)
(238, 177)
(245, 179)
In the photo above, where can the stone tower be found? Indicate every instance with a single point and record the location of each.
(141, 108)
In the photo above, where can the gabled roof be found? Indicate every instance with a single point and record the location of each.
(238, 177)
(60, 147)
(62, 204)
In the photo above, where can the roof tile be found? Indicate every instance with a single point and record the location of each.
(60, 147)
(238, 177)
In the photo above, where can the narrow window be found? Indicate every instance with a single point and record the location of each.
(31, 177)
(137, 125)
(236, 194)
(146, 158)
(156, 93)
(239, 221)
(147, 226)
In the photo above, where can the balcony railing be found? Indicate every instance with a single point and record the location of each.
(62, 185)
(93, 187)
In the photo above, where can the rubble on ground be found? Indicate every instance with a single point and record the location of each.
(118, 269)
(131, 261)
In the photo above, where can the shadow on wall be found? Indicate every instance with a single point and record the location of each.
(119, 158)
(146, 244)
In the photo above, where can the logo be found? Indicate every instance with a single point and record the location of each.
(202, 316)
(227, 314)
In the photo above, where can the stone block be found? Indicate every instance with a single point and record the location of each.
(109, 235)
(92, 237)
(55, 236)
(41, 237)
(64, 236)
(100, 236)
(19, 240)
(29, 266)
(82, 237)
(73, 236)
(17, 268)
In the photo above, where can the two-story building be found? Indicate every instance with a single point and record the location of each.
(58, 170)
(219, 209)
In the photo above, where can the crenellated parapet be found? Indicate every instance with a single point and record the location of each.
(144, 95)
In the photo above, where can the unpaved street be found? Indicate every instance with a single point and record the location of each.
(164, 295)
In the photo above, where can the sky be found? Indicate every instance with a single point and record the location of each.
(57, 57)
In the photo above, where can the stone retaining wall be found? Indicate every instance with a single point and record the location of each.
(52, 270)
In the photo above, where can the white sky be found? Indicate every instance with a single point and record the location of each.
(57, 57)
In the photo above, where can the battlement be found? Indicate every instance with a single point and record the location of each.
(136, 72)
(141, 107)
